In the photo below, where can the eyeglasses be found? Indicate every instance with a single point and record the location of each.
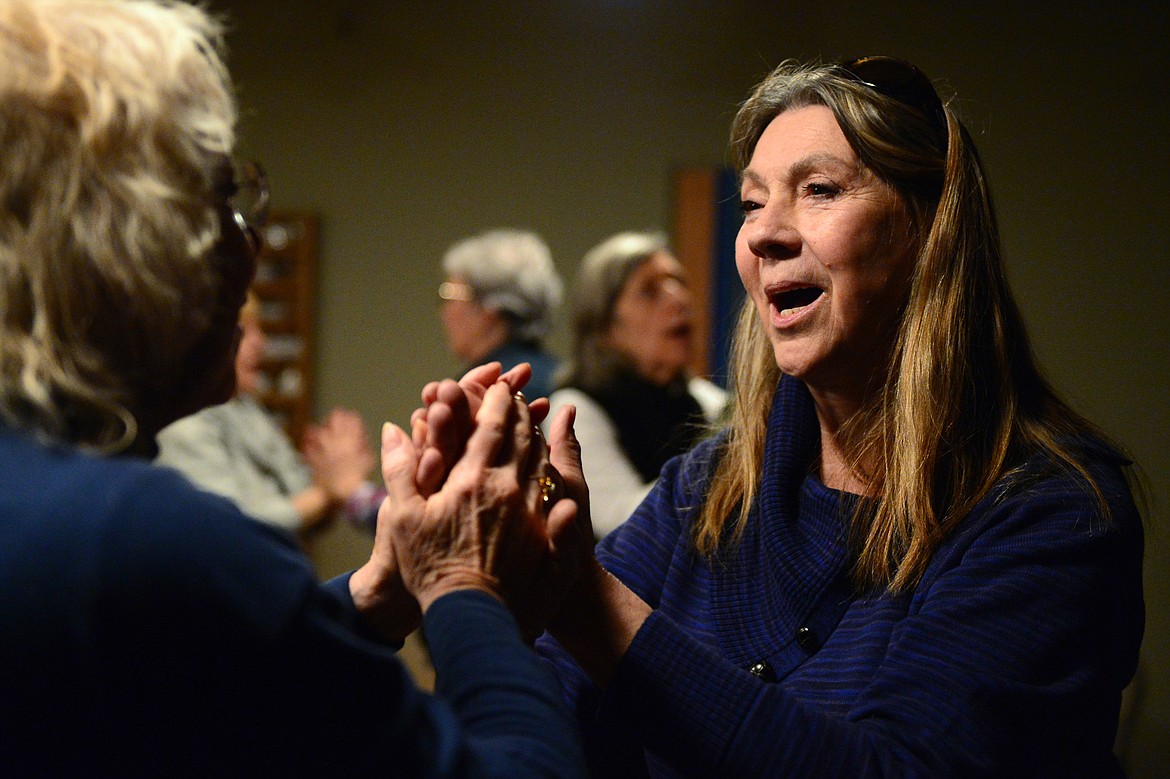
(249, 204)
(454, 290)
(902, 81)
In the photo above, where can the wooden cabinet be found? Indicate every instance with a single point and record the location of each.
(286, 282)
(707, 218)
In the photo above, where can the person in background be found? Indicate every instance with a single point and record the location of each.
(633, 339)
(499, 300)
(238, 450)
(149, 627)
(905, 555)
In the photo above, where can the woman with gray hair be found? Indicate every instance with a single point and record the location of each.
(632, 342)
(498, 302)
(150, 628)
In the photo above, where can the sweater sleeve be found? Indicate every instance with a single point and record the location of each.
(501, 692)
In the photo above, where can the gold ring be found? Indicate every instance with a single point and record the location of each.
(548, 491)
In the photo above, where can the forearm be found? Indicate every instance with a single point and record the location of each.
(598, 621)
(313, 505)
(679, 698)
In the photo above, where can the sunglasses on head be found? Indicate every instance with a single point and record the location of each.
(902, 81)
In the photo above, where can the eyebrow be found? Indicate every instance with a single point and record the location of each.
(801, 167)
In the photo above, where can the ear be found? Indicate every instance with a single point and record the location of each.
(493, 324)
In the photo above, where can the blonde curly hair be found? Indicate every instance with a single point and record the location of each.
(114, 118)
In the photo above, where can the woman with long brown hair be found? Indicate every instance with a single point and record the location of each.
(905, 555)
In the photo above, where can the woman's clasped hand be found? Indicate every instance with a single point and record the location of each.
(469, 498)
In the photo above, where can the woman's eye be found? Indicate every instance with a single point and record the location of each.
(820, 189)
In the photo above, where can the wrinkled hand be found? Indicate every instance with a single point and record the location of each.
(564, 454)
(338, 453)
(485, 529)
(450, 412)
(377, 588)
(571, 537)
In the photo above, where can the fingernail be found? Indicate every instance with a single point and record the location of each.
(389, 440)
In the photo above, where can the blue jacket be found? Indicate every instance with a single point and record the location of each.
(544, 365)
(1007, 660)
(150, 629)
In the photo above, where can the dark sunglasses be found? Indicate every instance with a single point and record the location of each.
(902, 81)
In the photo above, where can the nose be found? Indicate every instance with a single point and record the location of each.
(770, 233)
(677, 293)
(678, 296)
(447, 314)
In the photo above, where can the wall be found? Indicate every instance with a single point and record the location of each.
(408, 125)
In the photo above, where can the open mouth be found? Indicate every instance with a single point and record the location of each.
(791, 301)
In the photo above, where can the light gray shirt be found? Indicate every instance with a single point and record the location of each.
(237, 450)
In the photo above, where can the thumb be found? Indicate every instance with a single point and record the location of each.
(399, 463)
(564, 450)
(565, 456)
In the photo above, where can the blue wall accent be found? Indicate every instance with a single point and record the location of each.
(726, 289)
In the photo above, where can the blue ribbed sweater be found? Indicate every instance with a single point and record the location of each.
(1008, 658)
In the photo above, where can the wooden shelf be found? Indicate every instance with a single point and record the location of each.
(286, 282)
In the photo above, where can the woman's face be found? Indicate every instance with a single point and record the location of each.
(652, 320)
(472, 331)
(210, 373)
(824, 253)
(250, 354)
